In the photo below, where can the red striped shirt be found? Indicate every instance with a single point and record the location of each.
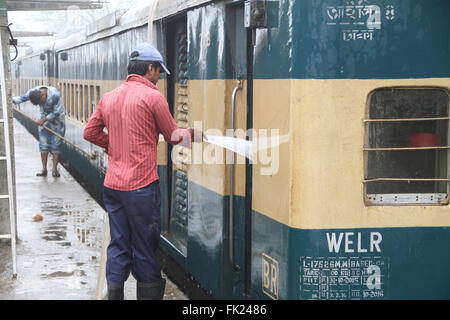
(134, 115)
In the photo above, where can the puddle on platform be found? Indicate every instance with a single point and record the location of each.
(61, 274)
(84, 225)
(59, 256)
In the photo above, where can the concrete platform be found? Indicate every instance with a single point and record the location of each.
(59, 257)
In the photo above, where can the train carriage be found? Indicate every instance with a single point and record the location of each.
(347, 104)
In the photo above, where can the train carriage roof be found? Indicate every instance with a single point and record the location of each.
(118, 22)
(166, 8)
(108, 26)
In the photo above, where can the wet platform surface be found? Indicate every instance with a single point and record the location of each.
(58, 257)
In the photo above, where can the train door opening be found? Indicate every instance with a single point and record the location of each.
(240, 75)
(177, 168)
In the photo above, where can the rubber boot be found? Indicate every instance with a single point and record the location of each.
(115, 292)
(151, 291)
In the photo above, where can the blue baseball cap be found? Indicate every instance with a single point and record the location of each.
(147, 52)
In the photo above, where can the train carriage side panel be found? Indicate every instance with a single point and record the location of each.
(331, 243)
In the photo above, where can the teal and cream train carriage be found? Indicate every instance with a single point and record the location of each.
(351, 202)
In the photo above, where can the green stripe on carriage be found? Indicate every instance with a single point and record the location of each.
(331, 39)
(366, 263)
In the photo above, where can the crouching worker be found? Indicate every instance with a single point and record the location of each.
(135, 114)
(53, 115)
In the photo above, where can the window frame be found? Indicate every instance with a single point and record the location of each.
(414, 199)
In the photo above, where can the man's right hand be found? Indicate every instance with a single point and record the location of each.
(197, 135)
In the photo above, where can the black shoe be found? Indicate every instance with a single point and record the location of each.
(115, 292)
(55, 173)
(151, 291)
(43, 173)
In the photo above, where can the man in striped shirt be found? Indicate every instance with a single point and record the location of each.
(135, 114)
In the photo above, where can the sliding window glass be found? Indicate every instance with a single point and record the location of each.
(406, 152)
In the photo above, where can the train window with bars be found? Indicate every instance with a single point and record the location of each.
(97, 96)
(86, 104)
(92, 101)
(407, 147)
(71, 100)
(64, 95)
(73, 95)
(80, 102)
(75, 101)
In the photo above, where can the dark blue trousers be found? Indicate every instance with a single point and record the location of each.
(134, 221)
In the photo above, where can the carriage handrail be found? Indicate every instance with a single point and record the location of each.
(231, 208)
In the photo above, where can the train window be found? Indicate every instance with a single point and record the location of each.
(407, 148)
(70, 98)
(63, 93)
(80, 102)
(75, 101)
(97, 94)
(74, 97)
(86, 104)
(66, 97)
(92, 101)
(77, 104)
(79, 94)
